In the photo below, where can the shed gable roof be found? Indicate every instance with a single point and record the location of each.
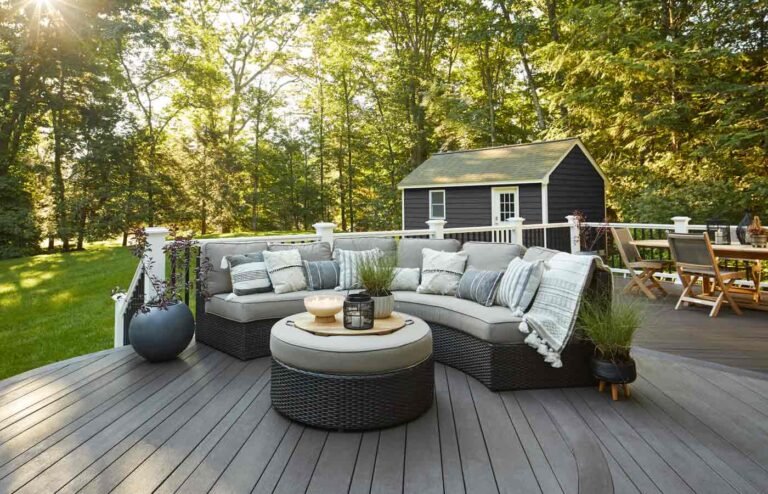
(531, 162)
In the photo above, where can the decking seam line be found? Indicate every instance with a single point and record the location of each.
(375, 457)
(223, 470)
(221, 389)
(482, 432)
(755, 390)
(536, 438)
(221, 369)
(317, 460)
(136, 384)
(70, 389)
(288, 461)
(704, 424)
(218, 440)
(721, 388)
(83, 425)
(24, 382)
(647, 405)
(605, 447)
(59, 411)
(517, 435)
(99, 431)
(357, 458)
(667, 356)
(562, 437)
(660, 456)
(439, 435)
(455, 430)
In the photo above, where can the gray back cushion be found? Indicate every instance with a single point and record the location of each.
(409, 251)
(539, 254)
(489, 256)
(217, 279)
(312, 251)
(387, 245)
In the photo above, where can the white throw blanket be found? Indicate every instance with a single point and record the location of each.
(552, 318)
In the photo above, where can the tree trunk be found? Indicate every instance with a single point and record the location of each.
(81, 229)
(58, 175)
(532, 89)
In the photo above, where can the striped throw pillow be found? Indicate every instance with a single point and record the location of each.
(519, 284)
(321, 274)
(479, 286)
(248, 273)
(349, 260)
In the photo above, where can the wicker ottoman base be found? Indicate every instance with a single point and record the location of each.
(352, 402)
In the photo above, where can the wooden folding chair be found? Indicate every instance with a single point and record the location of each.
(630, 256)
(695, 260)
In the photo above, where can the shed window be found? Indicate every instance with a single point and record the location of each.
(437, 204)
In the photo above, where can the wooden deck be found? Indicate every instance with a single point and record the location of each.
(109, 422)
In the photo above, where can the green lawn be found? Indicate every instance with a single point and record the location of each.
(57, 306)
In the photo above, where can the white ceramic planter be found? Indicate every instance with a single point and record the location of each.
(383, 306)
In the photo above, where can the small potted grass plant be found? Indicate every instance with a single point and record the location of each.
(376, 276)
(611, 326)
(757, 235)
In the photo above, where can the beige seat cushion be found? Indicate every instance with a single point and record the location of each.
(493, 324)
(259, 306)
(351, 354)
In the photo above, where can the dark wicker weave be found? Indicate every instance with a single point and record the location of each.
(508, 367)
(242, 340)
(353, 402)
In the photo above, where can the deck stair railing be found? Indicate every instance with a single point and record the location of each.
(563, 236)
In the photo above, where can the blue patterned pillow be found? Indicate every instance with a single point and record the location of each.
(248, 273)
(479, 286)
(321, 274)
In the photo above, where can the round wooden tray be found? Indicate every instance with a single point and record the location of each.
(306, 322)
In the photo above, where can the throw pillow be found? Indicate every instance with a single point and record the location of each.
(248, 273)
(519, 284)
(321, 274)
(441, 271)
(479, 286)
(285, 270)
(311, 251)
(349, 279)
(406, 279)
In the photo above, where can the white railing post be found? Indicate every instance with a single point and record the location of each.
(681, 223)
(325, 231)
(154, 257)
(575, 234)
(119, 299)
(516, 232)
(436, 228)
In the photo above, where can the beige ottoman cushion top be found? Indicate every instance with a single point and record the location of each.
(351, 354)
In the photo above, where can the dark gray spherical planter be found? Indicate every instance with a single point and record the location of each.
(162, 334)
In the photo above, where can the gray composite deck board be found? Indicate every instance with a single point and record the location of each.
(204, 423)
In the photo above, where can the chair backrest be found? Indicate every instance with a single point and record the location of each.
(691, 250)
(627, 251)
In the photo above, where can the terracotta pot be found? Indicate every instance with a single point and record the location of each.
(614, 372)
(758, 240)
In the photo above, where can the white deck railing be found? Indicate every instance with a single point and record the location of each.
(563, 236)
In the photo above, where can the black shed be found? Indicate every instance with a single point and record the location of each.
(542, 182)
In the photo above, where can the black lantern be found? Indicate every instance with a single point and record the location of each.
(719, 231)
(358, 311)
(741, 230)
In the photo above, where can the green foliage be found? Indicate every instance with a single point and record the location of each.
(610, 326)
(376, 275)
(19, 235)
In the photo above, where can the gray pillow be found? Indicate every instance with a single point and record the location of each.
(285, 270)
(519, 284)
(489, 256)
(479, 286)
(313, 251)
(406, 279)
(441, 272)
(248, 273)
(387, 245)
(349, 279)
(321, 274)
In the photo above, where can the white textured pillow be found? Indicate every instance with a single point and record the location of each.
(441, 271)
(349, 279)
(285, 270)
(406, 279)
(519, 284)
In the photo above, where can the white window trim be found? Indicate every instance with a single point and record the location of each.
(495, 205)
(445, 208)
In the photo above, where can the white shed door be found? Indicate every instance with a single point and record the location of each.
(505, 204)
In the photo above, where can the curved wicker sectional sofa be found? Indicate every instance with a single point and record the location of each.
(483, 342)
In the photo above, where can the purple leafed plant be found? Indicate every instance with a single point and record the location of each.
(589, 237)
(180, 252)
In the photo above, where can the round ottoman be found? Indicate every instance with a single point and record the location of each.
(352, 382)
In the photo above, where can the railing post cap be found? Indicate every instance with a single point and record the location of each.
(324, 224)
(435, 222)
(157, 230)
(571, 218)
(515, 219)
(681, 218)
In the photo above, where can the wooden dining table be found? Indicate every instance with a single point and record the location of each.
(729, 251)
